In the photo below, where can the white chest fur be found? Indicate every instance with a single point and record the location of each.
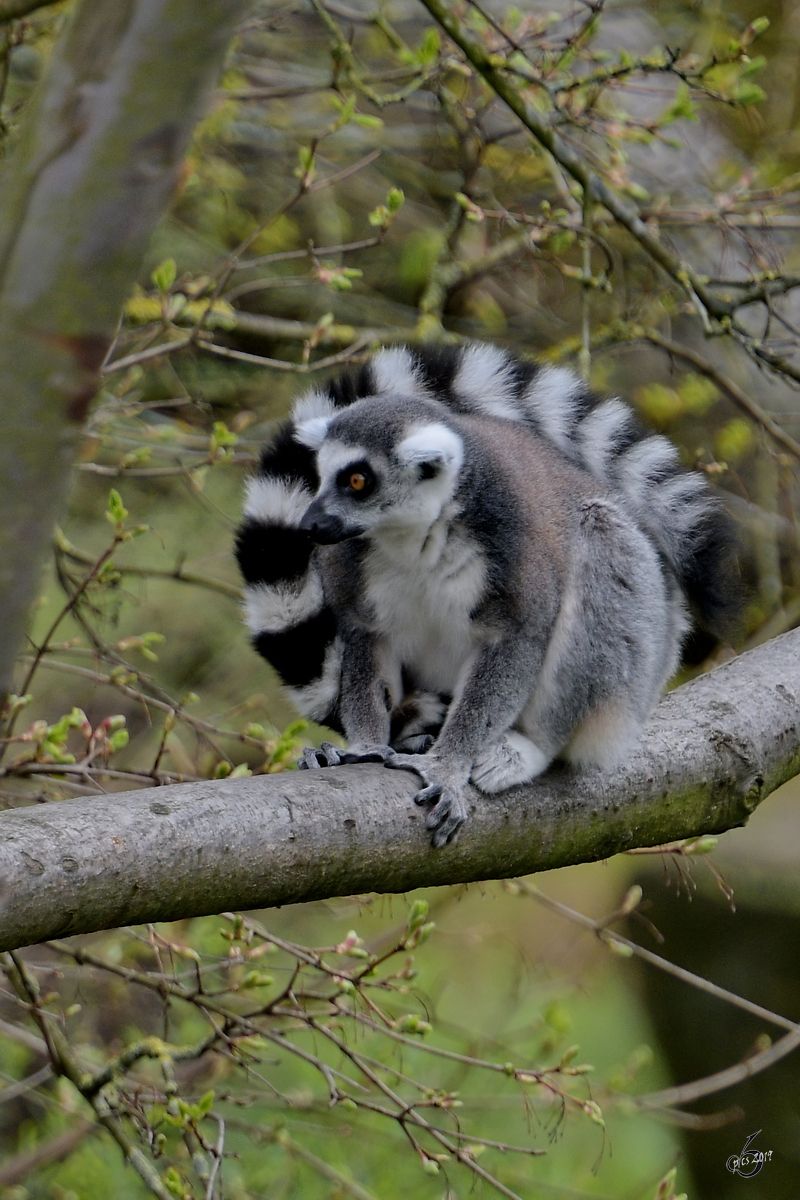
(422, 585)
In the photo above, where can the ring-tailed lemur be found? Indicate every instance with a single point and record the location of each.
(462, 543)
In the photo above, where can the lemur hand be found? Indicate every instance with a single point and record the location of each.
(449, 811)
(328, 755)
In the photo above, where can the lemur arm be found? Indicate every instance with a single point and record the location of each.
(498, 684)
(364, 705)
(497, 687)
(364, 708)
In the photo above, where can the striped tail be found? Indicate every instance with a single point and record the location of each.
(285, 610)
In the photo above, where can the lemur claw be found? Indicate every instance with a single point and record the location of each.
(446, 817)
(313, 757)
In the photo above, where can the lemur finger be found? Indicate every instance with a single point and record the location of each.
(446, 818)
(309, 759)
(331, 754)
(430, 793)
(448, 832)
(369, 754)
(313, 757)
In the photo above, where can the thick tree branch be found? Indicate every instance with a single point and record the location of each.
(90, 176)
(713, 750)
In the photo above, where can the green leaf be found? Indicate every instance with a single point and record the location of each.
(428, 52)
(701, 845)
(557, 1017)
(116, 512)
(255, 979)
(411, 1023)
(367, 122)
(681, 108)
(734, 440)
(221, 436)
(425, 932)
(699, 395)
(56, 753)
(119, 740)
(164, 275)
(594, 1111)
(306, 168)
(749, 93)
(754, 30)
(173, 1181)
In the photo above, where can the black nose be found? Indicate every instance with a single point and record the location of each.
(323, 527)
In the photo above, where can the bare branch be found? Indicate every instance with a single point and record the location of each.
(687, 1093)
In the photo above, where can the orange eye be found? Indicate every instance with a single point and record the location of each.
(357, 481)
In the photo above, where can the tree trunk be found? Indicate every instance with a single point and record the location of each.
(712, 751)
(92, 173)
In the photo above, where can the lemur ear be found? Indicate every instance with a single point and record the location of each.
(312, 431)
(312, 413)
(431, 446)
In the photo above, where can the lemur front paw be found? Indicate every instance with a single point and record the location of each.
(328, 755)
(449, 811)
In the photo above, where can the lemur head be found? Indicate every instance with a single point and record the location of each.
(381, 465)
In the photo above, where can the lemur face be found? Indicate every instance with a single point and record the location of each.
(400, 475)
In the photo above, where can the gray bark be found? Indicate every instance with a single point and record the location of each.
(712, 751)
(81, 193)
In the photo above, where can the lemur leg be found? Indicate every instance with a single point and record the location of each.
(615, 644)
(491, 698)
